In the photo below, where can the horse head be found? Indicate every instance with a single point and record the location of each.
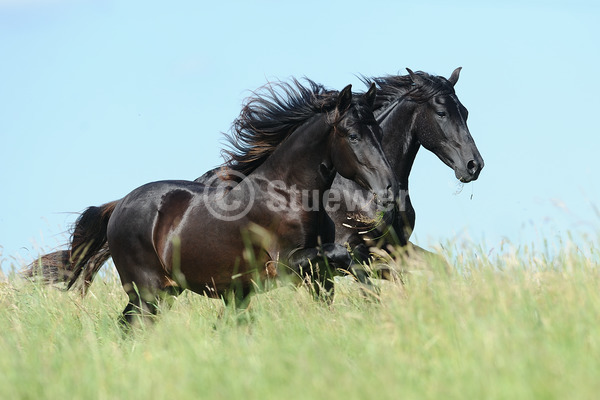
(442, 128)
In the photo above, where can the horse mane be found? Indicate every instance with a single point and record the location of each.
(268, 118)
(393, 87)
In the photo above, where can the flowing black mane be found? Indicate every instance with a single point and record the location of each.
(270, 116)
(393, 87)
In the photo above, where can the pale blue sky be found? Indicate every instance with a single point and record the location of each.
(99, 97)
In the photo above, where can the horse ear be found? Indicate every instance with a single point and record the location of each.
(416, 79)
(454, 77)
(344, 99)
(371, 94)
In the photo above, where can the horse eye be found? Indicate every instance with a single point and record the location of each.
(441, 113)
(353, 137)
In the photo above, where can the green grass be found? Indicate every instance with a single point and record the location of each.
(518, 326)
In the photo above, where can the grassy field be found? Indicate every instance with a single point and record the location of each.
(516, 326)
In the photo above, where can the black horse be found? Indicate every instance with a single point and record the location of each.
(412, 110)
(219, 241)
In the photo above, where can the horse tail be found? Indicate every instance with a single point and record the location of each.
(88, 251)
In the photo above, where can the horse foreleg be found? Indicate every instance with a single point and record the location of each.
(316, 266)
(358, 269)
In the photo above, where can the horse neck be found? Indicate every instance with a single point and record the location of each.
(399, 141)
(298, 159)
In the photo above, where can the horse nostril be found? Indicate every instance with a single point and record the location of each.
(473, 167)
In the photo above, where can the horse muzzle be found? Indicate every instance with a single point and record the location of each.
(386, 199)
(471, 170)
